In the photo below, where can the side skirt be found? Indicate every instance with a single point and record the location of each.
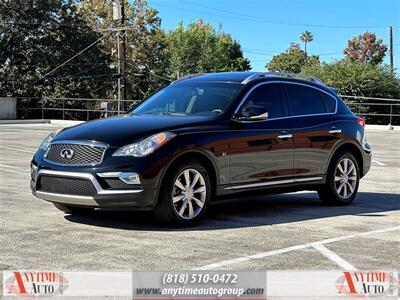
(274, 183)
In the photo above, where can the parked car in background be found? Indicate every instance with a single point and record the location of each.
(206, 136)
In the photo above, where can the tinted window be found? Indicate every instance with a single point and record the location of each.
(268, 96)
(304, 100)
(196, 98)
(330, 103)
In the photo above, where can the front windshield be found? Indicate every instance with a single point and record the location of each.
(195, 98)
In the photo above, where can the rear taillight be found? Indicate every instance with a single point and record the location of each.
(361, 121)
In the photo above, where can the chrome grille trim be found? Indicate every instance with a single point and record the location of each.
(87, 153)
(92, 178)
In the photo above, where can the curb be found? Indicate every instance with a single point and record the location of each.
(66, 122)
(381, 127)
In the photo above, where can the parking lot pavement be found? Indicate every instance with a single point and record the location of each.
(289, 231)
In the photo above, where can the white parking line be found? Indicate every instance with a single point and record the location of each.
(378, 162)
(293, 248)
(333, 257)
(10, 167)
(12, 171)
(18, 149)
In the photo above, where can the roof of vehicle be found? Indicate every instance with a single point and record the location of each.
(248, 77)
(222, 76)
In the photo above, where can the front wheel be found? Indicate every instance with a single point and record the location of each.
(342, 180)
(184, 195)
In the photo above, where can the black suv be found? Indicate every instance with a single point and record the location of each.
(205, 136)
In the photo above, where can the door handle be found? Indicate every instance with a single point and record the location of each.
(285, 136)
(335, 131)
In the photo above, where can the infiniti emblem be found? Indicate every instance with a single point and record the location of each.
(67, 153)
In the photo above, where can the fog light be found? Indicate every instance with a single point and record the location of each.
(127, 177)
(130, 178)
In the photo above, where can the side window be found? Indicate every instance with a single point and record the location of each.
(269, 96)
(330, 103)
(304, 100)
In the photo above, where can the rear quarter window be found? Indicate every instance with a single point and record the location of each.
(304, 100)
(330, 103)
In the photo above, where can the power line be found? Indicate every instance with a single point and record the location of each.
(68, 60)
(278, 21)
(268, 53)
(238, 16)
(4, 23)
(48, 65)
(151, 73)
(110, 29)
(58, 78)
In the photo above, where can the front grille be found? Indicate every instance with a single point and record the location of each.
(66, 185)
(82, 154)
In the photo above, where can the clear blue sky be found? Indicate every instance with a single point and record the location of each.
(266, 27)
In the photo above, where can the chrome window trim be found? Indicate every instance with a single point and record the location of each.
(91, 177)
(76, 142)
(273, 183)
(287, 117)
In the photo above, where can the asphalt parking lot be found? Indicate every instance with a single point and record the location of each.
(289, 231)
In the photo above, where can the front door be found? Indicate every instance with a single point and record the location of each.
(261, 151)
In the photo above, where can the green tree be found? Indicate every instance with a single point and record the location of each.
(306, 37)
(292, 60)
(199, 47)
(35, 37)
(365, 48)
(359, 79)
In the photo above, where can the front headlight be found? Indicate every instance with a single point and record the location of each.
(46, 142)
(146, 146)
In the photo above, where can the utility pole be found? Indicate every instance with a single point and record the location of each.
(119, 73)
(391, 50)
(123, 53)
(119, 15)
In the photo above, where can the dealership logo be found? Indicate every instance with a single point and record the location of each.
(67, 153)
(32, 283)
(367, 284)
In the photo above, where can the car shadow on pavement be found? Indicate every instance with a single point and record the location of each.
(249, 212)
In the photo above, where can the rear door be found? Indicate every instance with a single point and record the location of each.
(312, 117)
(261, 151)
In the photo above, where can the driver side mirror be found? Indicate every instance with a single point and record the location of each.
(253, 113)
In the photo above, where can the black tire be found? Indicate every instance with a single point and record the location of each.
(165, 210)
(73, 210)
(328, 193)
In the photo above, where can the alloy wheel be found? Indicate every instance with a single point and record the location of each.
(345, 178)
(189, 194)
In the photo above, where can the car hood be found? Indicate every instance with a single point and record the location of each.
(126, 129)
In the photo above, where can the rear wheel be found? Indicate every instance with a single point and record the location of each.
(74, 210)
(184, 195)
(342, 180)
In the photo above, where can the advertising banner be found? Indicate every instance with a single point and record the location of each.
(245, 285)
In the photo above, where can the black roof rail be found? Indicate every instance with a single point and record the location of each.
(187, 77)
(282, 74)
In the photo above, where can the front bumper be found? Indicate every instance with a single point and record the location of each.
(135, 196)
